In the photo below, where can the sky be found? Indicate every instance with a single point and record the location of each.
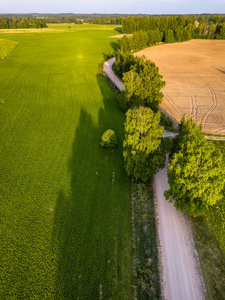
(113, 6)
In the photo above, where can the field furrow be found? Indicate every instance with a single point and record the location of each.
(194, 74)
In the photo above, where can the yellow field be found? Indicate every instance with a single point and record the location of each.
(6, 47)
(194, 72)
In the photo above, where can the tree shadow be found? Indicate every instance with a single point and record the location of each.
(116, 45)
(118, 29)
(90, 221)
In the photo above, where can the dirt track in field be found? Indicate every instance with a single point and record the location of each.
(194, 72)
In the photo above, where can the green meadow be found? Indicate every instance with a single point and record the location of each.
(64, 222)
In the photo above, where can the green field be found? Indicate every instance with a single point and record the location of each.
(65, 225)
(73, 26)
(6, 47)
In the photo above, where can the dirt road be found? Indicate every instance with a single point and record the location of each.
(107, 68)
(180, 274)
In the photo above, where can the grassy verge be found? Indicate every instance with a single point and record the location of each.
(215, 218)
(212, 260)
(146, 283)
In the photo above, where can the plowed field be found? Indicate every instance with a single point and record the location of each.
(194, 72)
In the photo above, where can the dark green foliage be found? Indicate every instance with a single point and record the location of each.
(109, 139)
(169, 29)
(167, 144)
(197, 171)
(220, 32)
(169, 36)
(19, 22)
(140, 40)
(127, 44)
(142, 85)
(144, 240)
(166, 121)
(142, 153)
(123, 63)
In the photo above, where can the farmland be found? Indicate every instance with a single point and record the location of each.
(194, 72)
(65, 223)
(6, 47)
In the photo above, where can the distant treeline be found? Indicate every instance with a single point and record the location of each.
(107, 20)
(20, 22)
(198, 26)
(147, 31)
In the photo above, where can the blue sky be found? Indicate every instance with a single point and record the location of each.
(114, 6)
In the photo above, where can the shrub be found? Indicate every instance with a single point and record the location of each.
(109, 139)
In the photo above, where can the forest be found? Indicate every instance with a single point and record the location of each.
(130, 23)
(148, 31)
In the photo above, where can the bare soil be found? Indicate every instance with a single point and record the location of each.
(194, 72)
(120, 35)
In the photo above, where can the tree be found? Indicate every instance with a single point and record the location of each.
(142, 151)
(196, 173)
(109, 139)
(127, 44)
(169, 36)
(123, 62)
(220, 31)
(142, 85)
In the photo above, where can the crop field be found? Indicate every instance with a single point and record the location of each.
(194, 72)
(6, 47)
(65, 229)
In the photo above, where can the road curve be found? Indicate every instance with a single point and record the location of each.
(180, 275)
(107, 68)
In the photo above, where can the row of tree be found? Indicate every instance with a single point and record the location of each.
(62, 19)
(142, 39)
(141, 80)
(150, 31)
(108, 20)
(196, 173)
(144, 152)
(20, 22)
(162, 23)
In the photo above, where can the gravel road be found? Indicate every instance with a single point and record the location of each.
(180, 271)
(180, 274)
(107, 68)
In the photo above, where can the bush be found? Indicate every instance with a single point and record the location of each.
(109, 139)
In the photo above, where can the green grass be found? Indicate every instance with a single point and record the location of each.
(72, 26)
(212, 260)
(6, 47)
(146, 281)
(65, 227)
(215, 218)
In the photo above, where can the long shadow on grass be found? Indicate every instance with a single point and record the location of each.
(92, 223)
